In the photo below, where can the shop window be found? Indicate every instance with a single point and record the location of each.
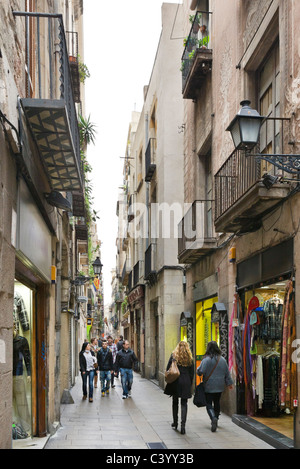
(22, 362)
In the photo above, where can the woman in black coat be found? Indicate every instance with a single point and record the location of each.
(181, 387)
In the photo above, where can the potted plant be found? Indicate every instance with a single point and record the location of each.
(191, 54)
(195, 20)
(189, 42)
(203, 43)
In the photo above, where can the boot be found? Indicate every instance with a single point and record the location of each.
(175, 414)
(183, 417)
(213, 418)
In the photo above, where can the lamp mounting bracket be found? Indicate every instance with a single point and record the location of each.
(288, 163)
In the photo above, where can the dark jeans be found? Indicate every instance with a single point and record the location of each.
(88, 375)
(213, 402)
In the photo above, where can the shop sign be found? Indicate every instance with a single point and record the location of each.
(33, 241)
(186, 325)
(136, 294)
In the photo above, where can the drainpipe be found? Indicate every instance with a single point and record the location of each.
(58, 320)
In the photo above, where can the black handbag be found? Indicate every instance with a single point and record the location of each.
(199, 397)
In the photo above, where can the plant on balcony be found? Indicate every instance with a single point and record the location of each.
(195, 20)
(189, 42)
(203, 43)
(84, 72)
(87, 131)
(191, 54)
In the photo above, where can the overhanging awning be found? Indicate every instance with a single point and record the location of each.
(50, 126)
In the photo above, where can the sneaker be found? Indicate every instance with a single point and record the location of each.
(103, 393)
(129, 393)
(113, 386)
(107, 391)
(124, 396)
(90, 399)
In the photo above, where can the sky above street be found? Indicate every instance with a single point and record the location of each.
(121, 40)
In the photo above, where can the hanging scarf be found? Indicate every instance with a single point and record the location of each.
(288, 378)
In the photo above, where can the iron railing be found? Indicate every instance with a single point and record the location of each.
(150, 261)
(198, 38)
(48, 73)
(196, 225)
(241, 171)
(150, 159)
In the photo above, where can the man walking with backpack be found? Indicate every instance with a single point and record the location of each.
(126, 358)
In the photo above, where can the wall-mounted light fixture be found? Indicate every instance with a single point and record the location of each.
(245, 133)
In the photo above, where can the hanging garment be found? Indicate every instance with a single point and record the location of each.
(272, 319)
(259, 381)
(288, 378)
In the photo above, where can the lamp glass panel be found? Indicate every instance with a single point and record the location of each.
(235, 133)
(250, 130)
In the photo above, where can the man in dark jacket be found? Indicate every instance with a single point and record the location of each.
(124, 361)
(105, 363)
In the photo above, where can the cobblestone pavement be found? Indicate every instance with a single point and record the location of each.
(113, 423)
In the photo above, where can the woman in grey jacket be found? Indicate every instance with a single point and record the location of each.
(215, 368)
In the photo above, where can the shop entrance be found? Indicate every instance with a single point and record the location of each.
(204, 330)
(23, 372)
(262, 331)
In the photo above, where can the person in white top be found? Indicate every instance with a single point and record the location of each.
(87, 360)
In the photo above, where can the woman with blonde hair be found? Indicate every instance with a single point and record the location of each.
(181, 387)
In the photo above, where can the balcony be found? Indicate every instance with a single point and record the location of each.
(72, 43)
(195, 232)
(49, 104)
(196, 60)
(150, 159)
(240, 195)
(81, 230)
(137, 273)
(131, 208)
(150, 264)
(125, 273)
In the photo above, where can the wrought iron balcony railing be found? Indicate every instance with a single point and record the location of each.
(240, 178)
(197, 55)
(49, 103)
(150, 159)
(195, 232)
(150, 264)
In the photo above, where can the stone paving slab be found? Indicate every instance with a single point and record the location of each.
(113, 423)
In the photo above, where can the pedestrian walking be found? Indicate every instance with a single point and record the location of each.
(114, 350)
(87, 360)
(120, 343)
(105, 363)
(95, 349)
(215, 367)
(181, 387)
(126, 358)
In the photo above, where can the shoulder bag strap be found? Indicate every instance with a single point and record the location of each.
(212, 370)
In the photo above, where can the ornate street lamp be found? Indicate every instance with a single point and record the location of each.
(97, 266)
(245, 127)
(82, 279)
(245, 132)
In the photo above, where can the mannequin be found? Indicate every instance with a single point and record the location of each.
(20, 312)
(21, 353)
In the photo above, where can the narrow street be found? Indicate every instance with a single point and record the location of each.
(113, 423)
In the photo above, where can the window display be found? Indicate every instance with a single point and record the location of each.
(22, 322)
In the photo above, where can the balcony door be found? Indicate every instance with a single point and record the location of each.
(269, 104)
